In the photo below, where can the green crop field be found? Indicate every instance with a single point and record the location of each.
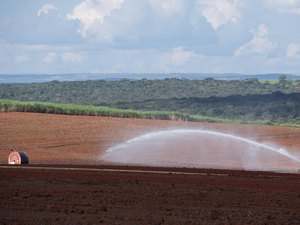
(73, 109)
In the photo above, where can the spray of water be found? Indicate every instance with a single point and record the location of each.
(197, 148)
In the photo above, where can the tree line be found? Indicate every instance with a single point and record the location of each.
(104, 92)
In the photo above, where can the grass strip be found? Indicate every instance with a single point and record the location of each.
(88, 110)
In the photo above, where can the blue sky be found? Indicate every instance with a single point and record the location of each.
(149, 36)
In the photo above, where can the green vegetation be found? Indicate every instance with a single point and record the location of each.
(242, 101)
(72, 109)
(268, 81)
(276, 107)
(107, 93)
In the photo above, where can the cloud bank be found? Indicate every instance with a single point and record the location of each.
(144, 36)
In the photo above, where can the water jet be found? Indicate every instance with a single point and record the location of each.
(202, 149)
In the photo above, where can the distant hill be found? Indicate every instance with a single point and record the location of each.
(40, 78)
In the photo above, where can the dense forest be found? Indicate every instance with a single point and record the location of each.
(249, 99)
(276, 107)
(103, 92)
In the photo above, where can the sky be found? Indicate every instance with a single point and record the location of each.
(149, 36)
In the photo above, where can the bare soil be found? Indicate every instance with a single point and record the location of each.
(61, 139)
(90, 197)
(47, 196)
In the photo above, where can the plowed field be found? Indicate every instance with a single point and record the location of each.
(60, 139)
(54, 196)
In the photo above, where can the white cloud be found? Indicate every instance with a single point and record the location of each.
(50, 58)
(90, 12)
(71, 57)
(21, 59)
(142, 23)
(285, 6)
(45, 9)
(293, 51)
(259, 45)
(219, 12)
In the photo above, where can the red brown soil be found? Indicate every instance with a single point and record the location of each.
(61, 139)
(89, 197)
